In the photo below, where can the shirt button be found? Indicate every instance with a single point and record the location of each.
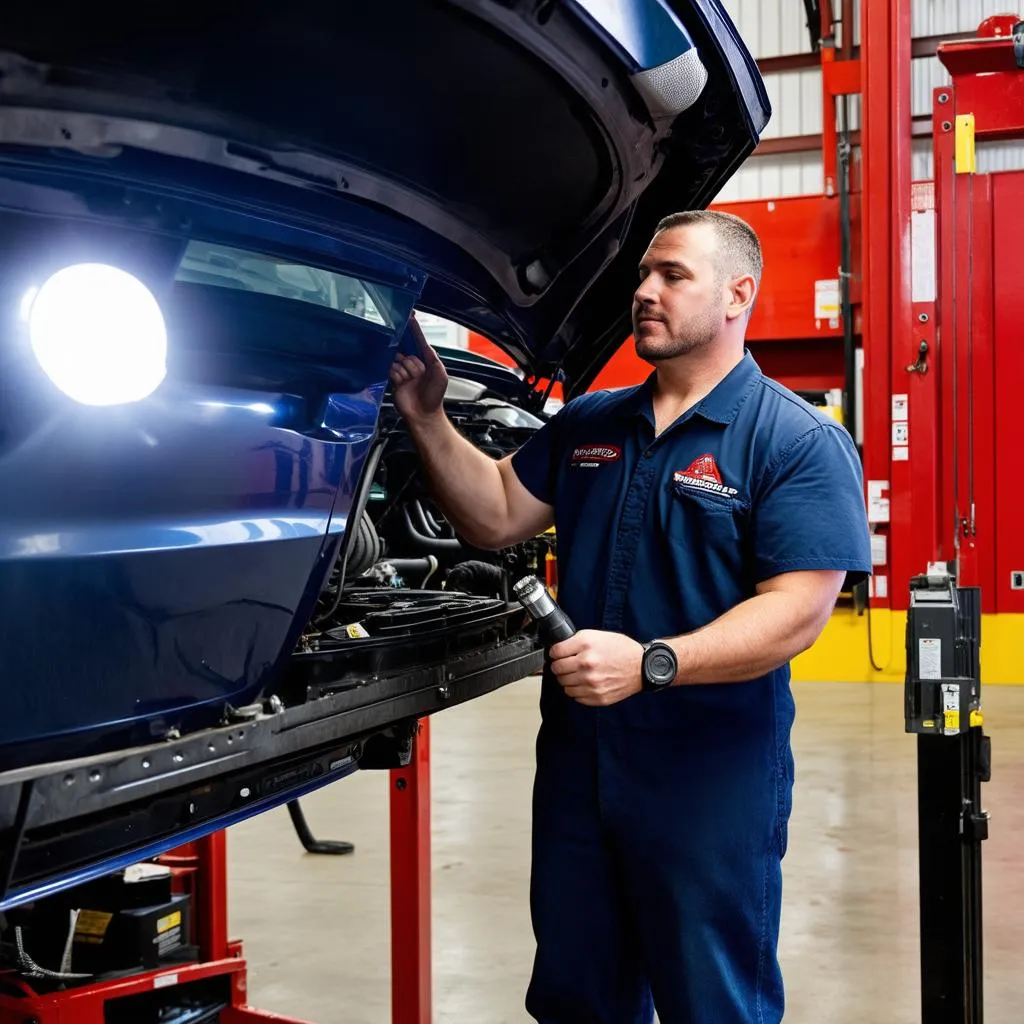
(648, 454)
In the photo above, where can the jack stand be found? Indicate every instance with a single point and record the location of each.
(943, 707)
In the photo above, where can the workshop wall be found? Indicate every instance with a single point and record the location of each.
(775, 28)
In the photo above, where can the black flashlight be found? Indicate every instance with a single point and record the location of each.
(553, 624)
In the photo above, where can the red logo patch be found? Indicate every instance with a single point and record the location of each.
(704, 468)
(593, 455)
(702, 474)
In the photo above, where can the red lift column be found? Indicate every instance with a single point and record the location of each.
(409, 796)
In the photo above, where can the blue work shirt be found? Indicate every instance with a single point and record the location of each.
(658, 536)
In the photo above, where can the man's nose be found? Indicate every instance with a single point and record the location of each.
(645, 293)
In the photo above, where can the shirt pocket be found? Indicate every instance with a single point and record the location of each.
(708, 528)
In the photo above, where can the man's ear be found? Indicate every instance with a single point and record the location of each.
(742, 291)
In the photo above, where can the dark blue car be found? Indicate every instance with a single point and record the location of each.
(220, 572)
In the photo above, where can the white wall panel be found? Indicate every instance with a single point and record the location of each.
(774, 28)
(926, 73)
(795, 97)
(771, 28)
(936, 17)
(992, 158)
(787, 174)
(1000, 156)
(921, 161)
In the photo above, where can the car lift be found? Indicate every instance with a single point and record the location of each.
(215, 988)
(943, 708)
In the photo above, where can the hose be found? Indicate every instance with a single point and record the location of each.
(426, 543)
(366, 547)
(30, 969)
(479, 578)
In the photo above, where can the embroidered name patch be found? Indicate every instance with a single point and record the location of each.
(590, 456)
(702, 475)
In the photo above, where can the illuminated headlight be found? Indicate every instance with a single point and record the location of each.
(98, 334)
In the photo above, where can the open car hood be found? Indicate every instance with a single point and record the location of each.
(519, 153)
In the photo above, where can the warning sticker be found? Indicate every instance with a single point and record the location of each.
(168, 922)
(91, 927)
(929, 658)
(826, 299)
(357, 631)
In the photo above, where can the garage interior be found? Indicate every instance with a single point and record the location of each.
(883, 193)
(850, 919)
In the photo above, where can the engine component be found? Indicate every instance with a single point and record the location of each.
(394, 571)
(475, 577)
(365, 550)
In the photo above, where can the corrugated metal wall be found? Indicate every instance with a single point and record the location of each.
(773, 28)
(777, 28)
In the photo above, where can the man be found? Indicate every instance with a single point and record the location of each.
(713, 512)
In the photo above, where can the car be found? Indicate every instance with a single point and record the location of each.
(222, 580)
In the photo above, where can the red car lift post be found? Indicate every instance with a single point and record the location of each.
(410, 885)
(200, 867)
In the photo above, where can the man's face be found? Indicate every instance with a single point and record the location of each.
(681, 301)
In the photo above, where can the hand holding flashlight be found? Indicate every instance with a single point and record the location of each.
(553, 625)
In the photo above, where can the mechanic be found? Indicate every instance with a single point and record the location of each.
(713, 512)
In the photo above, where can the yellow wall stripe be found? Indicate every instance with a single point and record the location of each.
(841, 653)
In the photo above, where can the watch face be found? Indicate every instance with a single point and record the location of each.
(660, 665)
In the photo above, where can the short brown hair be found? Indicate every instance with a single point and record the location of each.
(739, 246)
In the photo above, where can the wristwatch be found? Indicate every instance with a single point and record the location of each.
(659, 665)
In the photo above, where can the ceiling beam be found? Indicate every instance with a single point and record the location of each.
(923, 46)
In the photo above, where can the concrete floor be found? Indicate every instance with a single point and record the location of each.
(316, 929)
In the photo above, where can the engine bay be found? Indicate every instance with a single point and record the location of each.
(405, 588)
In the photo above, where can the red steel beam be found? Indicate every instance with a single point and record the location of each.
(922, 46)
(886, 237)
(876, 213)
(846, 50)
(410, 885)
(212, 896)
(921, 129)
(902, 349)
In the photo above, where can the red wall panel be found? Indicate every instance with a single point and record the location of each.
(800, 240)
(1008, 357)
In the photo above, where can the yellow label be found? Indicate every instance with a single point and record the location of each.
(965, 154)
(165, 924)
(93, 923)
(952, 719)
(929, 724)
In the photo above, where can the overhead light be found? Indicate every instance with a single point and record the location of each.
(98, 334)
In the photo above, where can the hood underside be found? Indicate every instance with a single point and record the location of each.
(520, 154)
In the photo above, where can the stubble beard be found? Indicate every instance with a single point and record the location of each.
(700, 332)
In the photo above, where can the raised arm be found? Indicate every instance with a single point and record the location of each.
(481, 497)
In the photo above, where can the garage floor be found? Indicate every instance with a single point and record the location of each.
(316, 928)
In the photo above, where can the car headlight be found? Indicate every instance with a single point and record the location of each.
(98, 333)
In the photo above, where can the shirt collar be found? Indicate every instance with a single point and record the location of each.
(720, 405)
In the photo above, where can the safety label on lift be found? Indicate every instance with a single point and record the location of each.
(826, 301)
(929, 658)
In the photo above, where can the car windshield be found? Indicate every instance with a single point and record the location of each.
(226, 267)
